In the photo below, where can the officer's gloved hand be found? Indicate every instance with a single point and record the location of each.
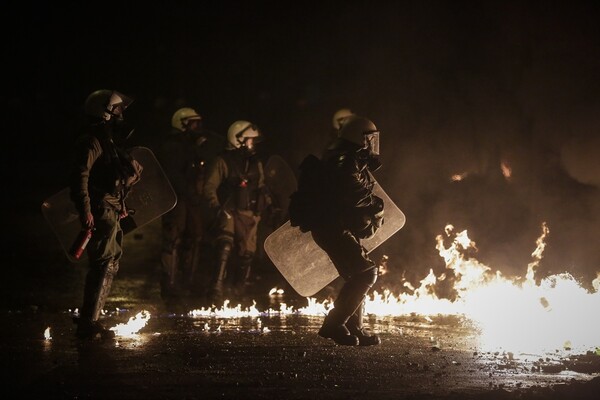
(87, 220)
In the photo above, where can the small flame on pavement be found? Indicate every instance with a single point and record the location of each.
(47, 334)
(133, 326)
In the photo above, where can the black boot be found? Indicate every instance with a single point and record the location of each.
(348, 301)
(333, 328)
(97, 288)
(356, 328)
(216, 292)
(169, 288)
(242, 277)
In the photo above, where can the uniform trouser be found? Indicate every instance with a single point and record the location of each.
(182, 234)
(353, 264)
(238, 228)
(104, 251)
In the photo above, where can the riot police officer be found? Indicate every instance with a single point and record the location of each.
(354, 212)
(237, 195)
(102, 175)
(184, 156)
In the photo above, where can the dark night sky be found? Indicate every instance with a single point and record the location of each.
(454, 86)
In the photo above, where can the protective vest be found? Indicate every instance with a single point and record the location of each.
(241, 190)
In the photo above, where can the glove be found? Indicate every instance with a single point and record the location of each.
(87, 220)
(372, 220)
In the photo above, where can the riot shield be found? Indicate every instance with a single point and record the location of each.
(305, 266)
(150, 198)
(281, 182)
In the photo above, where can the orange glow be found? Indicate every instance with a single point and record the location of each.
(459, 177)
(506, 170)
(133, 326)
(514, 313)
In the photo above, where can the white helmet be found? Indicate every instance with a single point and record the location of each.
(362, 132)
(340, 116)
(239, 131)
(106, 104)
(182, 117)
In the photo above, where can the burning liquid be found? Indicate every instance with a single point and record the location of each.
(514, 314)
(133, 326)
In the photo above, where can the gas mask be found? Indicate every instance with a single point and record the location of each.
(113, 115)
(370, 152)
(117, 104)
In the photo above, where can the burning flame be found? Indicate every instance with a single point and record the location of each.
(47, 334)
(133, 326)
(506, 170)
(510, 313)
(459, 177)
(276, 292)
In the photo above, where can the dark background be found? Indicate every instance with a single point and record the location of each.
(456, 87)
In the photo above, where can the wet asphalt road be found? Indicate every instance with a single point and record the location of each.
(178, 356)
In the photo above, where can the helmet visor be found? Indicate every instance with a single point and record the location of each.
(251, 131)
(372, 142)
(117, 103)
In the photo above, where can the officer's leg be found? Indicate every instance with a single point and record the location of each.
(192, 265)
(104, 251)
(193, 256)
(246, 232)
(242, 278)
(355, 322)
(224, 244)
(359, 274)
(97, 289)
(169, 258)
(172, 228)
(224, 247)
(348, 301)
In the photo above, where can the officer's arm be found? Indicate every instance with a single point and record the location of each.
(217, 172)
(87, 152)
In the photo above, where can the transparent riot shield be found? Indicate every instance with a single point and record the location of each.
(305, 266)
(148, 199)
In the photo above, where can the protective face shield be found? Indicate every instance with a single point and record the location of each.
(182, 119)
(117, 104)
(372, 142)
(340, 116)
(243, 134)
(362, 132)
(106, 105)
(365, 135)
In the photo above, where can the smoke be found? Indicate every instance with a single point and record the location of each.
(579, 154)
(481, 90)
(508, 103)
